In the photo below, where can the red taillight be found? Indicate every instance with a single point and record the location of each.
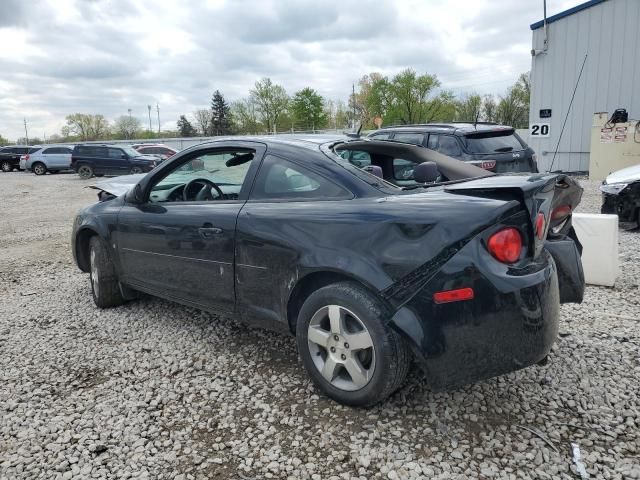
(505, 245)
(540, 224)
(457, 295)
(560, 212)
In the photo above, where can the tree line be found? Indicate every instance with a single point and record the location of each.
(407, 97)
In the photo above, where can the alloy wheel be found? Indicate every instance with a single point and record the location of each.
(341, 348)
(94, 273)
(6, 167)
(39, 169)
(85, 172)
(135, 170)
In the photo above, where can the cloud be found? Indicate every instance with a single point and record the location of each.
(106, 56)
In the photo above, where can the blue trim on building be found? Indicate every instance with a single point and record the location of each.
(566, 13)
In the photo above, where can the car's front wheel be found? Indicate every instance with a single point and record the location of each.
(104, 282)
(85, 172)
(135, 170)
(6, 166)
(347, 347)
(39, 168)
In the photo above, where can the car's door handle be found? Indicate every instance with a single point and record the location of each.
(209, 232)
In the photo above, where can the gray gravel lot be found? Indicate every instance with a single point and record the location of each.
(156, 390)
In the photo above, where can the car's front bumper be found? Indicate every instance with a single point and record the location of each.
(510, 324)
(625, 204)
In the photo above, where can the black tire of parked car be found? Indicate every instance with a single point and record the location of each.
(392, 355)
(85, 172)
(6, 166)
(104, 282)
(39, 168)
(135, 170)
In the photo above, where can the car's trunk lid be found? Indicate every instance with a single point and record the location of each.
(549, 199)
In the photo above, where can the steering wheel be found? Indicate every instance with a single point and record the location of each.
(204, 193)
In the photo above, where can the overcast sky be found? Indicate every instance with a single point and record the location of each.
(107, 56)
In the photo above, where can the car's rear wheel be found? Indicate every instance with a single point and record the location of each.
(135, 170)
(6, 166)
(104, 282)
(39, 168)
(85, 172)
(347, 347)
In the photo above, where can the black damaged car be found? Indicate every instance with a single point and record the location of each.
(462, 271)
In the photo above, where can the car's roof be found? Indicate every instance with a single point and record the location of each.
(151, 145)
(451, 127)
(306, 141)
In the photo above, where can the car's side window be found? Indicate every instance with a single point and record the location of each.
(432, 143)
(360, 159)
(114, 153)
(50, 151)
(448, 145)
(211, 176)
(381, 136)
(415, 138)
(99, 152)
(403, 169)
(280, 179)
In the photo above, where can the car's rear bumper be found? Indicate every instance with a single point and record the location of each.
(510, 324)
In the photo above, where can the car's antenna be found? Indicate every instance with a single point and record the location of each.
(567, 115)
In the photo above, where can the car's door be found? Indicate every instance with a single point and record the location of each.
(118, 161)
(183, 247)
(284, 216)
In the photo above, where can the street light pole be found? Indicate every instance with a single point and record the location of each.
(26, 132)
(158, 110)
(149, 108)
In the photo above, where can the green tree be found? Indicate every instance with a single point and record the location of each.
(469, 108)
(489, 107)
(86, 126)
(126, 127)
(413, 99)
(220, 115)
(3, 141)
(271, 101)
(185, 128)
(307, 108)
(244, 114)
(513, 108)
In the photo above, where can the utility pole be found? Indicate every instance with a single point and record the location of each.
(158, 110)
(26, 132)
(149, 108)
(353, 103)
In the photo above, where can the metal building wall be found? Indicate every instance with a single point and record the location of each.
(609, 33)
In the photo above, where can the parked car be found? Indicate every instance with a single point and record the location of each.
(464, 277)
(497, 148)
(621, 194)
(10, 156)
(91, 159)
(158, 149)
(47, 158)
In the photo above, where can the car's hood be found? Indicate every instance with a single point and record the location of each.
(118, 185)
(626, 175)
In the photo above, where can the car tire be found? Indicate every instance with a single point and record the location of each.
(362, 373)
(85, 172)
(6, 166)
(39, 168)
(135, 170)
(105, 287)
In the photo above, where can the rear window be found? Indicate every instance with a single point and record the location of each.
(492, 142)
(34, 150)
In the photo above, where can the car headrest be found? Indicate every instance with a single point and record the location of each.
(426, 172)
(374, 170)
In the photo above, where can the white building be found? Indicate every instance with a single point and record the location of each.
(608, 33)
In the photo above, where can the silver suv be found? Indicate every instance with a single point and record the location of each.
(47, 158)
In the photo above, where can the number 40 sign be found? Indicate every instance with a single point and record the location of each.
(538, 130)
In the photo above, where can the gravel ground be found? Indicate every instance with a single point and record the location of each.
(156, 390)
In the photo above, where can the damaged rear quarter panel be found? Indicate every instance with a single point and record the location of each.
(378, 242)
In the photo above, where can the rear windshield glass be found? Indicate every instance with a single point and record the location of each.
(492, 142)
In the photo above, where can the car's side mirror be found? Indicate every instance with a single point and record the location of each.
(134, 195)
(426, 172)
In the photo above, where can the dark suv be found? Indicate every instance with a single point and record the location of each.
(99, 160)
(488, 145)
(10, 156)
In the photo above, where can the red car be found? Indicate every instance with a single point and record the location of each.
(162, 151)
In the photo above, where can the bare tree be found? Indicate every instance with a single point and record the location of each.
(127, 127)
(202, 119)
(245, 116)
(86, 126)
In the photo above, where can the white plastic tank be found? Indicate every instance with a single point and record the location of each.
(599, 237)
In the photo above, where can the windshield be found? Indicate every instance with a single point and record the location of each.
(132, 152)
(492, 142)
